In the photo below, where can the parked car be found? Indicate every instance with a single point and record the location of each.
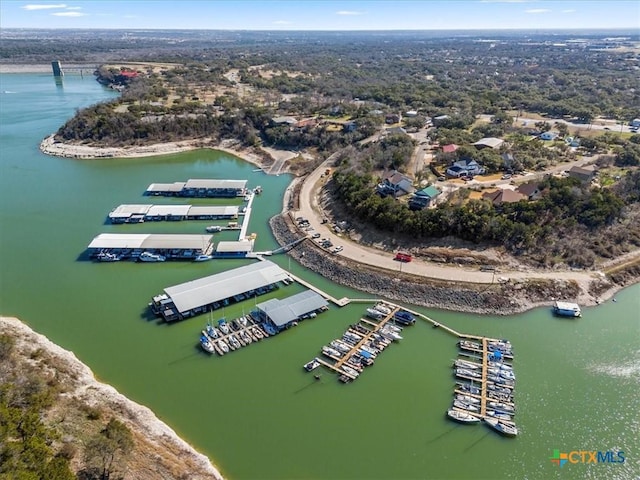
(506, 176)
(315, 235)
(338, 249)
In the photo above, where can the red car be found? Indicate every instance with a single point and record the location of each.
(403, 257)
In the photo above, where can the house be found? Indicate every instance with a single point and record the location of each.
(465, 167)
(423, 198)
(503, 196)
(439, 120)
(392, 118)
(411, 113)
(531, 190)
(488, 142)
(548, 135)
(584, 174)
(395, 131)
(350, 126)
(291, 121)
(396, 184)
(307, 122)
(450, 148)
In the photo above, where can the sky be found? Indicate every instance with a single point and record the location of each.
(321, 14)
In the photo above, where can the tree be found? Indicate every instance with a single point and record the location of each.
(108, 450)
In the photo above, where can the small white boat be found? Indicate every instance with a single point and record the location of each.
(202, 258)
(108, 257)
(504, 428)
(389, 333)
(330, 352)
(247, 198)
(350, 371)
(213, 228)
(340, 346)
(382, 308)
(462, 417)
(467, 365)
(151, 257)
(223, 326)
(375, 314)
(206, 344)
(223, 346)
(467, 399)
(312, 365)
(500, 415)
(465, 406)
(501, 406)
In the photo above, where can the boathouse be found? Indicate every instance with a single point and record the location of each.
(208, 188)
(214, 291)
(283, 313)
(171, 246)
(234, 249)
(147, 213)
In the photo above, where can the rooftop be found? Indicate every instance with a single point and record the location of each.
(284, 311)
(219, 286)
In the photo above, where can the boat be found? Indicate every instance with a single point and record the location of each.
(233, 340)
(381, 308)
(467, 399)
(211, 331)
(341, 347)
(465, 406)
(463, 372)
(223, 326)
(245, 337)
(504, 428)
(392, 334)
(257, 333)
(312, 365)
(202, 258)
(151, 257)
(462, 417)
(331, 352)
(224, 348)
(269, 328)
(508, 374)
(350, 371)
(247, 198)
(404, 318)
(108, 257)
(257, 190)
(243, 321)
(206, 344)
(213, 228)
(468, 365)
(566, 309)
(500, 415)
(469, 388)
(375, 314)
(501, 406)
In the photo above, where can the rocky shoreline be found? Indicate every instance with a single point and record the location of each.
(159, 453)
(494, 299)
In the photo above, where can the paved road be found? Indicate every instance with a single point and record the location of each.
(310, 209)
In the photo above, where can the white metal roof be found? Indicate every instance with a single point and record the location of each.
(150, 241)
(166, 187)
(164, 210)
(213, 210)
(234, 246)
(281, 312)
(214, 288)
(215, 184)
(128, 210)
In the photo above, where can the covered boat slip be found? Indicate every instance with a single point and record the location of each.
(207, 293)
(234, 249)
(199, 188)
(283, 313)
(144, 213)
(169, 245)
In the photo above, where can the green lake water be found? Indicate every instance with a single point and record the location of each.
(255, 412)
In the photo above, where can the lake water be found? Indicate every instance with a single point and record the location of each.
(255, 412)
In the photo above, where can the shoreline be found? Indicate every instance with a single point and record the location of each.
(86, 387)
(518, 290)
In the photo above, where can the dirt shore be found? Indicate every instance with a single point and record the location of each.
(159, 452)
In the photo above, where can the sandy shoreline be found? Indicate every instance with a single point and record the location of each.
(86, 387)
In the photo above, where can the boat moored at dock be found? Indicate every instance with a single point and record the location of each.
(566, 309)
(462, 416)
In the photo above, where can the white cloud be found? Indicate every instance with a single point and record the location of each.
(570, 10)
(69, 14)
(74, 8)
(348, 12)
(537, 10)
(43, 7)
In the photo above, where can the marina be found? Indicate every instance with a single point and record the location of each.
(485, 384)
(360, 345)
(200, 188)
(138, 246)
(134, 213)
